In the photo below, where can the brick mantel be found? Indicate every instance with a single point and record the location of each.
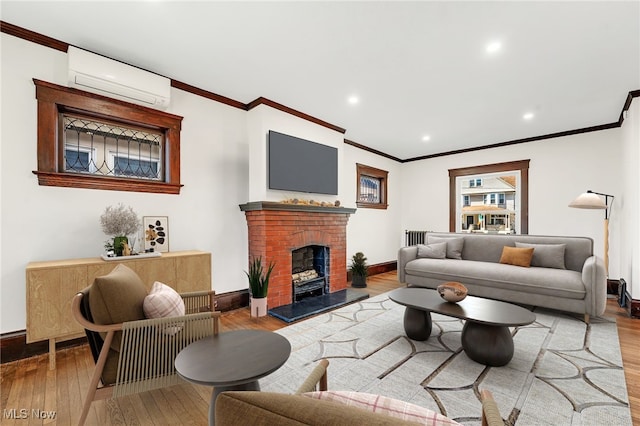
(276, 229)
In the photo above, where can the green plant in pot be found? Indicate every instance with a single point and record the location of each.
(119, 222)
(359, 269)
(258, 286)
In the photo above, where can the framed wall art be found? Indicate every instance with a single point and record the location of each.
(156, 233)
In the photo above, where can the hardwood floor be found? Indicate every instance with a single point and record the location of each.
(29, 385)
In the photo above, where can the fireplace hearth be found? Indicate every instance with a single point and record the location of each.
(279, 231)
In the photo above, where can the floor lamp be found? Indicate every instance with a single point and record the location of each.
(592, 200)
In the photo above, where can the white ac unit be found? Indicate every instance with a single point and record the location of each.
(98, 74)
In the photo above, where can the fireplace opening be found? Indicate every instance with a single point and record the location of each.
(309, 272)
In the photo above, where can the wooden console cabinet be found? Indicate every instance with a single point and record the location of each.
(52, 285)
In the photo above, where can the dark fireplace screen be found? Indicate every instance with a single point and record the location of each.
(309, 272)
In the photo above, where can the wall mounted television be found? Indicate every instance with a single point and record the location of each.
(300, 165)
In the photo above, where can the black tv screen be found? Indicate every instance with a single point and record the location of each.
(300, 165)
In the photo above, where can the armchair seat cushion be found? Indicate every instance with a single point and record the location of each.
(116, 298)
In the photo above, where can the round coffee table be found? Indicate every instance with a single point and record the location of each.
(486, 337)
(233, 360)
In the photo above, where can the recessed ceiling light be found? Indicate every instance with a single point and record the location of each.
(426, 138)
(493, 47)
(353, 100)
(527, 116)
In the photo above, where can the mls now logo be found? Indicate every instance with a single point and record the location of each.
(23, 413)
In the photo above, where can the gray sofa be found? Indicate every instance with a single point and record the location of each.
(579, 288)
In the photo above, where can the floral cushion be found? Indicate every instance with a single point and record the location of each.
(384, 405)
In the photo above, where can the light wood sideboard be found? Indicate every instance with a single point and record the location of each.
(52, 285)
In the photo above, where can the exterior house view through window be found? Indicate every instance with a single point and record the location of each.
(371, 188)
(100, 148)
(488, 204)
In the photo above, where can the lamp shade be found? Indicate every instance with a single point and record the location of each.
(588, 200)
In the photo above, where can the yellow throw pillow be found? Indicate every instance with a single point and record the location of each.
(517, 256)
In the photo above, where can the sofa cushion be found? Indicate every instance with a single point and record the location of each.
(268, 408)
(454, 245)
(116, 298)
(162, 302)
(563, 283)
(488, 247)
(433, 251)
(384, 405)
(546, 255)
(516, 256)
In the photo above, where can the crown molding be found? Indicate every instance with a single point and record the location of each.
(43, 40)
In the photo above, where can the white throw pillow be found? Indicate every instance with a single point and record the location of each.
(433, 251)
(163, 302)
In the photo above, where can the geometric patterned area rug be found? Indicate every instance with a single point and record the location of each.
(563, 372)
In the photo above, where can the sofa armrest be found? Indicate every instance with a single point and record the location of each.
(595, 282)
(405, 254)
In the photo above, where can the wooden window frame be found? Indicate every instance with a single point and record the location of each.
(54, 100)
(383, 175)
(522, 166)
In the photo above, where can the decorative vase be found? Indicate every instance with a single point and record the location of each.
(117, 244)
(452, 291)
(358, 281)
(258, 306)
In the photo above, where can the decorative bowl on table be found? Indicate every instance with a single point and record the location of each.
(452, 291)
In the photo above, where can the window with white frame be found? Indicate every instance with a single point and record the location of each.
(79, 159)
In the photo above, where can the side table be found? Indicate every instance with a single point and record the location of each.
(233, 360)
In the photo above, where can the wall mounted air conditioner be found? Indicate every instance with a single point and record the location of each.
(98, 74)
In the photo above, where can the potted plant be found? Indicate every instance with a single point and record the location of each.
(258, 286)
(119, 222)
(359, 269)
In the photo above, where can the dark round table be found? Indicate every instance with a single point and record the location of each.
(486, 337)
(233, 360)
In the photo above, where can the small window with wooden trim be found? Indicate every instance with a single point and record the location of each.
(91, 141)
(371, 187)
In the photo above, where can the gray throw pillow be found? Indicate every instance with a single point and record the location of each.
(433, 251)
(454, 245)
(546, 255)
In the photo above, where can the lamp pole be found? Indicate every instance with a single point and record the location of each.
(606, 228)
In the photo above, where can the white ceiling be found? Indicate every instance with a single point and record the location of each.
(418, 68)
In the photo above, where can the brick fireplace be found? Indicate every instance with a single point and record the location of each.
(276, 230)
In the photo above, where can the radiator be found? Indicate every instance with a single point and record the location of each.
(414, 237)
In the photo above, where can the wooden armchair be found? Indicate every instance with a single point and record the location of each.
(147, 350)
(317, 380)
(490, 413)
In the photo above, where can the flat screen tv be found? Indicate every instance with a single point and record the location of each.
(300, 165)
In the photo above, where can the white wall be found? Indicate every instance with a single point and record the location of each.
(560, 170)
(374, 232)
(48, 223)
(264, 118)
(630, 215)
(223, 159)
